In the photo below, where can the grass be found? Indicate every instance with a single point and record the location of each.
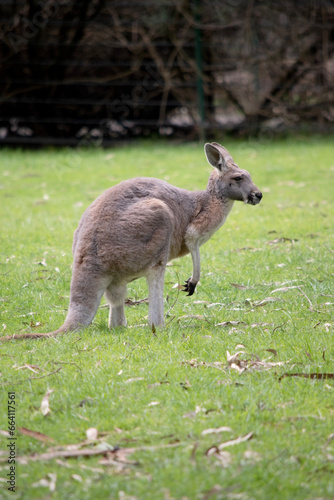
(149, 391)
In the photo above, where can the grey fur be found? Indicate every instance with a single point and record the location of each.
(133, 229)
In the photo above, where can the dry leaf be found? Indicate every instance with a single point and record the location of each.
(157, 384)
(199, 409)
(37, 435)
(134, 379)
(252, 456)
(263, 325)
(224, 458)
(51, 483)
(265, 301)
(63, 463)
(241, 365)
(119, 458)
(234, 331)
(92, 469)
(193, 316)
(286, 288)
(76, 477)
(240, 287)
(231, 323)
(282, 240)
(238, 440)
(33, 368)
(41, 482)
(45, 408)
(194, 363)
(185, 385)
(232, 358)
(216, 430)
(178, 286)
(80, 416)
(193, 414)
(41, 262)
(238, 368)
(92, 433)
(130, 302)
(211, 451)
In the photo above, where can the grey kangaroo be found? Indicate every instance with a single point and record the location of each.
(133, 229)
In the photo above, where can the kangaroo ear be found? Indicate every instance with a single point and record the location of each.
(214, 156)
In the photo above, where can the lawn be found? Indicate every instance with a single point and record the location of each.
(234, 399)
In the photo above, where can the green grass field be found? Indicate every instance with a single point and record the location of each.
(266, 292)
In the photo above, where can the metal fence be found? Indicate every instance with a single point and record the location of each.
(81, 72)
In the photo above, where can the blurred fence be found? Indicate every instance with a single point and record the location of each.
(99, 71)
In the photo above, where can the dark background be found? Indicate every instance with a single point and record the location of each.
(101, 71)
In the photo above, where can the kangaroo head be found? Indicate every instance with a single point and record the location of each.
(228, 180)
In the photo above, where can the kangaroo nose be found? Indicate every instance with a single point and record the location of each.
(259, 195)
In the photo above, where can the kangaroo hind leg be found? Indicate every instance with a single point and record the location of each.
(86, 293)
(115, 295)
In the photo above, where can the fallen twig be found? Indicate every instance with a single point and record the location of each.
(311, 305)
(31, 378)
(88, 452)
(34, 434)
(316, 376)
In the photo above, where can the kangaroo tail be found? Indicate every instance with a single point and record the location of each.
(23, 336)
(80, 313)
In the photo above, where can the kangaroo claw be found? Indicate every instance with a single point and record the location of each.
(189, 287)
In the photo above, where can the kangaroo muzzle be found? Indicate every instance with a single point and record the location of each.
(254, 198)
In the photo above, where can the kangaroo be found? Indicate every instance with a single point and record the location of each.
(134, 228)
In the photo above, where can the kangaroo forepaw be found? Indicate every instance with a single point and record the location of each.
(189, 287)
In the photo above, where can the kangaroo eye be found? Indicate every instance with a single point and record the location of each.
(237, 178)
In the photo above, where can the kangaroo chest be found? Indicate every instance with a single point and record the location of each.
(208, 222)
